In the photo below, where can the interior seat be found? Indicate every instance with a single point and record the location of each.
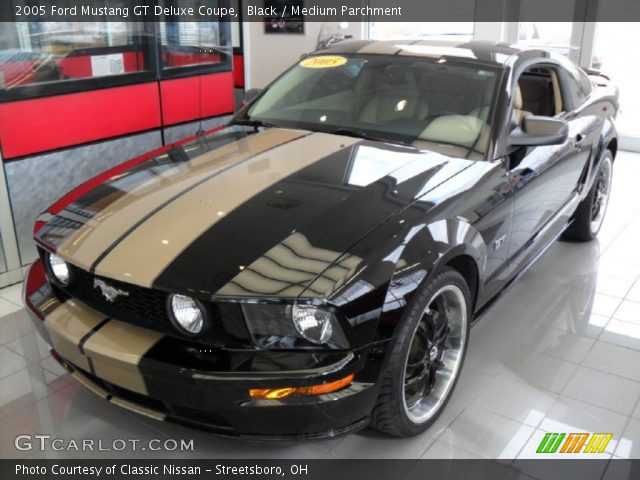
(537, 95)
(395, 96)
(450, 93)
(519, 112)
(464, 136)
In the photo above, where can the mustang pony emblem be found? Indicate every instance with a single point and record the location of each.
(110, 293)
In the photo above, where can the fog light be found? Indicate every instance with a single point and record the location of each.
(59, 269)
(276, 393)
(186, 314)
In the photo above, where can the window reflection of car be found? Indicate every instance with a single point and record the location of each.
(315, 266)
(64, 42)
(21, 68)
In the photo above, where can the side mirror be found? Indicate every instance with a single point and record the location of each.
(250, 95)
(540, 131)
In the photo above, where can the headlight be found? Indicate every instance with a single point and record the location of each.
(279, 326)
(186, 314)
(312, 323)
(59, 269)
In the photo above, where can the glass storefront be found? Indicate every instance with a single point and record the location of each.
(193, 43)
(421, 30)
(615, 47)
(58, 57)
(41, 58)
(556, 37)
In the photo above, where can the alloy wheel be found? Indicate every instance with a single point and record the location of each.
(601, 196)
(435, 354)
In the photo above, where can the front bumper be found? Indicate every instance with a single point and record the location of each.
(172, 380)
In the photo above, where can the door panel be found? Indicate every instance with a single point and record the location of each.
(545, 179)
(540, 187)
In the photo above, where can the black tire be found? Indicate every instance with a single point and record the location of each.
(585, 226)
(391, 414)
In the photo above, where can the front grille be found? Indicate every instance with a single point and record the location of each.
(143, 306)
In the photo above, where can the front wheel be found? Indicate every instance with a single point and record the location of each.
(426, 358)
(588, 218)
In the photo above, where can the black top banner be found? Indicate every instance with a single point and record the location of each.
(320, 10)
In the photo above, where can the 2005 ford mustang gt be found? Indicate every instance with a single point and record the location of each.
(314, 266)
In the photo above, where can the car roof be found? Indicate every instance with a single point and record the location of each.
(498, 54)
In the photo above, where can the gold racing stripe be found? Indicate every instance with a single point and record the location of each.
(112, 353)
(147, 251)
(116, 350)
(68, 324)
(98, 234)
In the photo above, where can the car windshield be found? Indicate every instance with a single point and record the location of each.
(431, 103)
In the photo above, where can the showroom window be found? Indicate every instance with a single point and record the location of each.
(421, 30)
(615, 53)
(66, 56)
(191, 44)
(40, 58)
(555, 37)
(558, 37)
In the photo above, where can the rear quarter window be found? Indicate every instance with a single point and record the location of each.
(579, 84)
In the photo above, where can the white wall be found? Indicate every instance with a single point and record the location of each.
(268, 55)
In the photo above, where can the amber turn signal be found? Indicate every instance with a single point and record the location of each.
(276, 393)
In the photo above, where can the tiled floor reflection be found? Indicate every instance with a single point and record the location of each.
(559, 353)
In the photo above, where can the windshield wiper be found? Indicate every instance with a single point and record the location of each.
(357, 133)
(254, 123)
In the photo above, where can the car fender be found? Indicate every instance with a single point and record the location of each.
(427, 253)
(375, 298)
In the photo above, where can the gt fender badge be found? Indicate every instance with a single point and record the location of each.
(498, 242)
(108, 292)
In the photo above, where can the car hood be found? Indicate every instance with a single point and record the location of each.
(244, 213)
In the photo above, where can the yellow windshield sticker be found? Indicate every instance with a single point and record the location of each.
(324, 61)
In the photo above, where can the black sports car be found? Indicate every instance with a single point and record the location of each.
(314, 266)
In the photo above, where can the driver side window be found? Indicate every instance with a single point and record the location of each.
(538, 93)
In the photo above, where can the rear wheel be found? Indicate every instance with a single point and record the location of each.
(588, 218)
(426, 358)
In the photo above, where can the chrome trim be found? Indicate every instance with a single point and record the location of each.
(297, 374)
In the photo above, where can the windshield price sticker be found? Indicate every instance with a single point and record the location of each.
(325, 61)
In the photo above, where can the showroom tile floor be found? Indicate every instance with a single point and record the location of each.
(559, 353)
